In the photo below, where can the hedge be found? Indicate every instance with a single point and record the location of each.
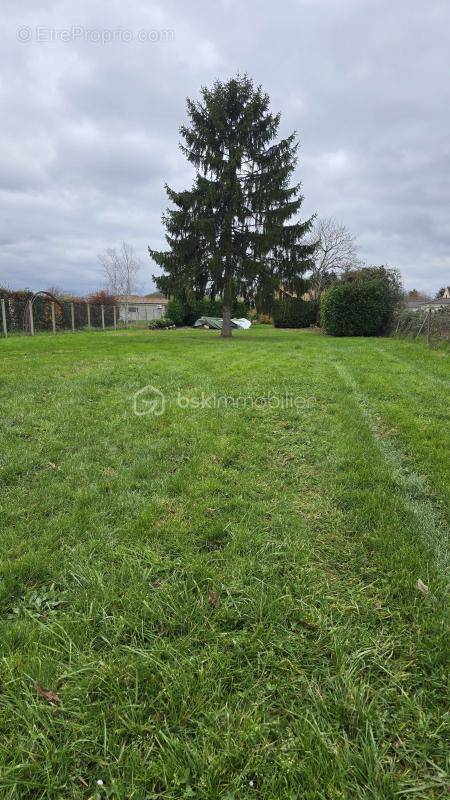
(356, 309)
(293, 312)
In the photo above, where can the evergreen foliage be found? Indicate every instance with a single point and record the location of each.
(236, 231)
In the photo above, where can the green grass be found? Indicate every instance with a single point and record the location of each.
(319, 669)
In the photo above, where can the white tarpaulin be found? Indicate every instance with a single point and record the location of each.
(242, 323)
(216, 323)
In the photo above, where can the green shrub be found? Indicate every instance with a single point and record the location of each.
(162, 323)
(360, 308)
(293, 312)
(15, 307)
(174, 311)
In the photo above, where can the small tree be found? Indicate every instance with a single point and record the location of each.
(237, 229)
(336, 251)
(56, 291)
(416, 294)
(120, 269)
(102, 298)
(98, 299)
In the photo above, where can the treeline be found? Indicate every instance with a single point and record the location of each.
(360, 302)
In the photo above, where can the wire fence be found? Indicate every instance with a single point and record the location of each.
(432, 324)
(37, 314)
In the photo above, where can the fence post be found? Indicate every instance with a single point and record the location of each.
(103, 316)
(115, 317)
(53, 318)
(88, 315)
(422, 325)
(72, 312)
(30, 311)
(5, 331)
(429, 326)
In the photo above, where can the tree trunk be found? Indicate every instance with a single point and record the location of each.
(226, 320)
(226, 309)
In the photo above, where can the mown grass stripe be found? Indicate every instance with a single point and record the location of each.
(413, 487)
(412, 368)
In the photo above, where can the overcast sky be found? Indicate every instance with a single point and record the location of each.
(89, 129)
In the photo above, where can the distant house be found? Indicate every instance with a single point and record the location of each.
(435, 305)
(413, 305)
(141, 308)
(429, 305)
(446, 295)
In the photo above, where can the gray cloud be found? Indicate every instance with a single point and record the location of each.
(89, 131)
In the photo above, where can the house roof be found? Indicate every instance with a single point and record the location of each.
(439, 301)
(146, 299)
(156, 296)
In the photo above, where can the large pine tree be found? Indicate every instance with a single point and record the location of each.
(236, 229)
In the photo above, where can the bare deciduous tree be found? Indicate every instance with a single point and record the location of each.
(56, 291)
(120, 269)
(336, 252)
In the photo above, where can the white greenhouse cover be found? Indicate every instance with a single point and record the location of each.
(242, 323)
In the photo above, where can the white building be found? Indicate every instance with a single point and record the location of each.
(141, 308)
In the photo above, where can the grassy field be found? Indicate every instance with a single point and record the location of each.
(221, 602)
